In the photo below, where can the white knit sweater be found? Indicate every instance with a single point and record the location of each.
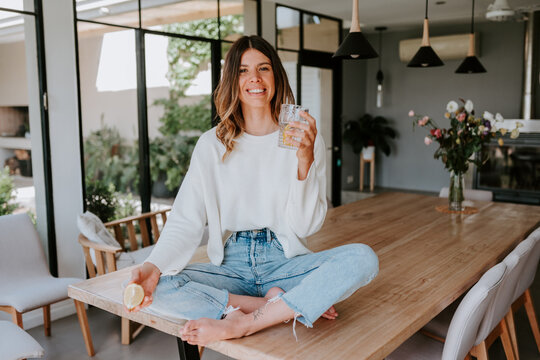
(256, 187)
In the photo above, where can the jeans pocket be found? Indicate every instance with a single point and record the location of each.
(275, 243)
(229, 240)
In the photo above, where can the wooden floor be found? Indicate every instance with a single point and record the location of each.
(66, 342)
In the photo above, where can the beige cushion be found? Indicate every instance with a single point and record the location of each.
(16, 344)
(25, 281)
(133, 258)
(93, 228)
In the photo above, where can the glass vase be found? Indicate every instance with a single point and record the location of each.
(455, 192)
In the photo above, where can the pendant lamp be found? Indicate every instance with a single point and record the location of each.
(380, 76)
(355, 45)
(425, 56)
(471, 64)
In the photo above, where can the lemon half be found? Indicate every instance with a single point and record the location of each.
(133, 295)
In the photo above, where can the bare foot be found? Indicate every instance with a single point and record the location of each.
(205, 331)
(330, 314)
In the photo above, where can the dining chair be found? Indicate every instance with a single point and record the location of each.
(495, 322)
(522, 295)
(15, 343)
(463, 328)
(25, 279)
(470, 194)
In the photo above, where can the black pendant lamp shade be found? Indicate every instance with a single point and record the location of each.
(355, 45)
(471, 64)
(425, 56)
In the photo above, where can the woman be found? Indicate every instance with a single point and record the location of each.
(260, 202)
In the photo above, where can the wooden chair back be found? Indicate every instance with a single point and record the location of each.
(105, 255)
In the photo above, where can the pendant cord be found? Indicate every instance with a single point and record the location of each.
(472, 18)
(380, 48)
(426, 8)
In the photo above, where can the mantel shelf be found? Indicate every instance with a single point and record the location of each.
(15, 143)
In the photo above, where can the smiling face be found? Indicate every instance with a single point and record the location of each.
(256, 80)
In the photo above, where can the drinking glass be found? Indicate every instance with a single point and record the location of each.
(288, 114)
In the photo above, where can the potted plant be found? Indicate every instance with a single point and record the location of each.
(369, 131)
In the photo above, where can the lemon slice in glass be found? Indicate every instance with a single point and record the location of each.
(133, 295)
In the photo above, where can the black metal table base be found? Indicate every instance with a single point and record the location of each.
(187, 351)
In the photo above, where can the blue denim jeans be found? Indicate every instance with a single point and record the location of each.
(253, 263)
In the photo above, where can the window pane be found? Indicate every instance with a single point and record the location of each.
(16, 174)
(232, 19)
(17, 5)
(117, 12)
(320, 33)
(179, 87)
(288, 28)
(108, 85)
(195, 18)
(289, 59)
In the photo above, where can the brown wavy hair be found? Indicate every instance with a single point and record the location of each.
(227, 93)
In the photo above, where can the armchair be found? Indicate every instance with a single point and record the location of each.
(25, 279)
(110, 257)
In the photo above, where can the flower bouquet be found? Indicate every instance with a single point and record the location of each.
(461, 141)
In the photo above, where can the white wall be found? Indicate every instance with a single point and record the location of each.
(64, 133)
(13, 84)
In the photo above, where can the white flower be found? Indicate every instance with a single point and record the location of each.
(452, 106)
(499, 117)
(488, 116)
(469, 106)
(514, 134)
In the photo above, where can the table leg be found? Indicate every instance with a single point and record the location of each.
(187, 351)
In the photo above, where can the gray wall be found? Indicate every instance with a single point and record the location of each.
(427, 91)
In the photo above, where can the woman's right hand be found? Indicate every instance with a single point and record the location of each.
(147, 276)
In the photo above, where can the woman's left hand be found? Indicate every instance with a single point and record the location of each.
(305, 142)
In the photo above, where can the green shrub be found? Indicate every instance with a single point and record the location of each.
(7, 193)
(101, 199)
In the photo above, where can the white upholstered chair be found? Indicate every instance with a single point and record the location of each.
(470, 194)
(522, 295)
(464, 326)
(16, 344)
(25, 279)
(494, 324)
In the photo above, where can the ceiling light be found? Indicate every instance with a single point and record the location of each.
(500, 11)
(380, 75)
(425, 56)
(471, 64)
(355, 45)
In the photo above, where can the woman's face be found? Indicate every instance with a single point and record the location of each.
(256, 79)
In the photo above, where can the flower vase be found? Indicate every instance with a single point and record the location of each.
(455, 192)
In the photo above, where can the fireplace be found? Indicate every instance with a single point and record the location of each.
(512, 172)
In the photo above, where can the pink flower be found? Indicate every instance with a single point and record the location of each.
(411, 113)
(427, 141)
(462, 116)
(423, 121)
(436, 132)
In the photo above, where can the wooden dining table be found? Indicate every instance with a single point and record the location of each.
(427, 259)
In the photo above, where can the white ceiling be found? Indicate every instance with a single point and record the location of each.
(399, 14)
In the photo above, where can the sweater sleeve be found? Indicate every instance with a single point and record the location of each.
(184, 229)
(306, 206)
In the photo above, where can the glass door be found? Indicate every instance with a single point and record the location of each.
(317, 97)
